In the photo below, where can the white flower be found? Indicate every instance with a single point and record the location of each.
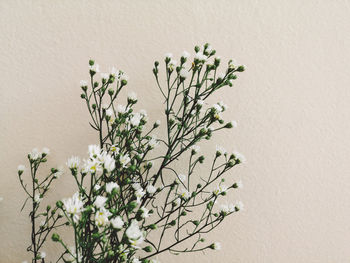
(136, 186)
(183, 193)
(185, 54)
(117, 222)
(109, 163)
(220, 189)
(114, 149)
(143, 113)
(110, 112)
(73, 162)
(97, 187)
(220, 149)
(232, 63)
(200, 102)
(42, 254)
(100, 201)
(136, 260)
(234, 124)
(37, 198)
(158, 122)
(105, 76)
(34, 154)
(122, 109)
(145, 212)
(225, 208)
(172, 63)
(168, 55)
(217, 108)
(21, 168)
(239, 184)
(182, 178)
(135, 120)
(239, 205)
(59, 172)
(153, 142)
(133, 231)
(124, 160)
(139, 193)
(184, 73)
(94, 151)
(151, 189)
(223, 105)
(114, 72)
(95, 68)
(101, 217)
(177, 201)
(200, 56)
(209, 48)
(239, 157)
(83, 83)
(123, 76)
(74, 206)
(110, 186)
(216, 246)
(45, 150)
(91, 166)
(195, 148)
(132, 96)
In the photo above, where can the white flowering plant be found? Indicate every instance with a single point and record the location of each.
(131, 203)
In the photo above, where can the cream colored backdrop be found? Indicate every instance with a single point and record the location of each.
(292, 106)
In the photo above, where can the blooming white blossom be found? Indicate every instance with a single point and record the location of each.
(101, 217)
(135, 119)
(114, 72)
(220, 189)
(136, 186)
(195, 148)
(117, 222)
(239, 184)
(110, 186)
(45, 151)
(124, 160)
(73, 162)
(220, 149)
(132, 96)
(133, 231)
(21, 168)
(239, 205)
(34, 154)
(185, 54)
(97, 187)
(37, 198)
(182, 178)
(110, 112)
(83, 83)
(183, 73)
(225, 208)
(158, 122)
(100, 201)
(122, 109)
(58, 172)
(94, 151)
(123, 76)
(240, 157)
(183, 193)
(153, 142)
(168, 55)
(223, 105)
(42, 254)
(216, 246)
(177, 201)
(200, 56)
(95, 68)
(74, 206)
(151, 189)
(105, 76)
(136, 260)
(234, 124)
(114, 149)
(91, 165)
(139, 193)
(200, 102)
(145, 212)
(217, 108)
(109, 163)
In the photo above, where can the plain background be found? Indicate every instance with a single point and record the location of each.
(292, 107)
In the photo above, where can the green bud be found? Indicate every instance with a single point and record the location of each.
(82, 96)
(199, 185)
(201, 159)
(196, 222)
(153, 226)
(241, 68)
(48, 207)
(196, 49)
(147, 249)
(183, 213)
(59, 204)
(124, 82)
(95, 84)
(172, 223)
(156, 63)
(110, 92)
(91, 62)
(55, 237)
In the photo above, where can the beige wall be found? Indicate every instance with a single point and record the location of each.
(292, 106)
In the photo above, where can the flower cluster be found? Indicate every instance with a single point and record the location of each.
(130, 194)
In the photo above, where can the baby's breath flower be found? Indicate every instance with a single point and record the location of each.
(183, 193)
(114, 149)
(151, 189)
(37, 198)
(145, 212)
(239, 205)
(97, 187)
(132, 96)
(182, 178)
(101, 217)
(153, 142)
(105, 76)
(109, 113)
(195, 149)
(94, 151)
(100, 201)
(34, 154)
(220, 189)
(215, 246)
(109, 163)
(95, 68)
(73, 162)
(42, 254)
(200, 56)
(220, 149)
(122, 109)
(184, 73)
(74, 206)
(185, 54)
(135, 119)
(133, 231)
(239, 157)
(124, 160)
(117, 222)
(110, 186)
(168, 55)
(20, 169)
